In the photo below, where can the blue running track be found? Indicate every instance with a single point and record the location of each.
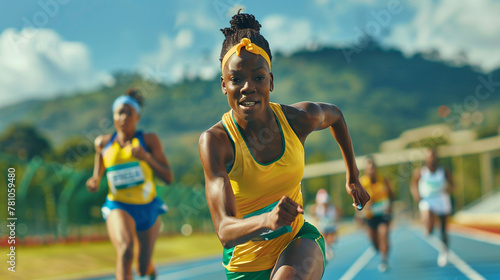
(412, 256)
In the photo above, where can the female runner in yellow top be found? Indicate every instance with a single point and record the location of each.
(254, 161)
(377, 213)
(132, 209)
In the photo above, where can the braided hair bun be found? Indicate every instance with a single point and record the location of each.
(243, 26)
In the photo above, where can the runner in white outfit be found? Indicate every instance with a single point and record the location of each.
(431, 186)
(432, 191)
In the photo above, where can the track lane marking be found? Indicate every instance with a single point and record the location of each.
(361, 262)
(453, 258)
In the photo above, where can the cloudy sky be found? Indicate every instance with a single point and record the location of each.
(51, 47)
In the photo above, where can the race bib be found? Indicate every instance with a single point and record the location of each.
(126, 175)
(380, 207)
(269, 234)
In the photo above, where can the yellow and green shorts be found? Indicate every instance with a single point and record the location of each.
(307, 231)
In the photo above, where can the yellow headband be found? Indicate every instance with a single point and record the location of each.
(253, 48)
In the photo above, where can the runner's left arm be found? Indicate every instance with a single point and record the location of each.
(317, 116)
(156, 158)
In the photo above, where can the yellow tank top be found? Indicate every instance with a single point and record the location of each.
(258, 187)
(130, 180)
(379, 196)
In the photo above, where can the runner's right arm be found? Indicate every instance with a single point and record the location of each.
(215, 151)
(94, 181)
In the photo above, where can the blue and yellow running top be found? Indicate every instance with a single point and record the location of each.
(258, 187)
(130, 180)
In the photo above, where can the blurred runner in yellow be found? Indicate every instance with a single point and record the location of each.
(377, 213)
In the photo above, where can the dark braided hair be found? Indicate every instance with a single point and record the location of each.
(243, 26)
(137, 95)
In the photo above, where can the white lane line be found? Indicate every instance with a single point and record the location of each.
(494, 241)
(359, 264)
(195, 271)
(464, 267)
(453, 258)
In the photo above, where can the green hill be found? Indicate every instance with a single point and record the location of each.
(381, 93)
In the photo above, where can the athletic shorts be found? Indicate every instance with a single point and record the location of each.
(375, 221)
(144, 215)
(438, 204)
(307, 231)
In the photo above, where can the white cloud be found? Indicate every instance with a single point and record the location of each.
(286, 34)
(178, 57)
(164, 53)
(234, 10)
(198, 18)
(184, 39)
(471, 26)
(38, 63)
(208, 72)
